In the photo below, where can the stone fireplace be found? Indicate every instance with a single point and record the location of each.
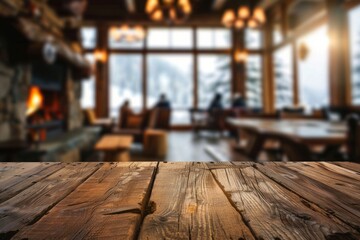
(40, 85)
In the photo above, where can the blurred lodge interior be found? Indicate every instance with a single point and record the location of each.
(180, 119)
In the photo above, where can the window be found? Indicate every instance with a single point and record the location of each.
(277, 34)
(214, 76)
(88, 94)
(210, 38)
(283, 77)
(125, 82)
(171, 74)
(177, 38)
(313, 68)
(123, 38)
(253, 39)
(254, 81)
(88, 36)
(354, 27)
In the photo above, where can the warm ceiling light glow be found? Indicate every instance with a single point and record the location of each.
(151, 5)
(252, 23)
(241, 56)
(100, 56)
(140, 32)
(35, 101)
(228, 18)
(259, 15)
(239, 24)
(157, 15)
(187, 8)
(172, 14)
(244, 12)
(115, 33)
(171, 11)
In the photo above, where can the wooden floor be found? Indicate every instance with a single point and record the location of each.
(190, 147)
(179, 201)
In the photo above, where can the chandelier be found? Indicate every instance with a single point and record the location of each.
(126, 33)
(171, 11)
(244, 16)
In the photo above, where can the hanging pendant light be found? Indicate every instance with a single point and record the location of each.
(171, 11)
(244, 16)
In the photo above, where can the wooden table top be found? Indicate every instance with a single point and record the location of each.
(114, 143)
(179, 201)
(308, 131)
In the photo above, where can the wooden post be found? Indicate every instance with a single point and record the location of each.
(102, 81)
(239, 68)
(268, 71)
(339, 62)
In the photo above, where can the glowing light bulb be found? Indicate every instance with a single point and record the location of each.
(252, 23)
(244, 12)
(228, 18)
(241, 56)
(239, 24)
(259, 15)
(157, 15)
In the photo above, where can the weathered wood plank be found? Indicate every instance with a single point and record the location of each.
(108, 205)
(331, 200)
(190, 205)
(349, 165)
(18, 177)
(32, 203)
(274, 212)
(341, 179)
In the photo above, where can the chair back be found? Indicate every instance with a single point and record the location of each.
(163, 117)
(90, 116)
(354, 138)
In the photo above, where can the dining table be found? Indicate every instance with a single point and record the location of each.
(310, 132)
(188, 200)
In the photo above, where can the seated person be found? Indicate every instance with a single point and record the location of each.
(163, 102)
(216, 103)
(125, 115)
(238, 101)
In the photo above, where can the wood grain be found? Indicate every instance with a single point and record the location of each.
(32, 203)
(16, 177)
(274, 212)
(108, 205)
(190, 205)
(333, 201)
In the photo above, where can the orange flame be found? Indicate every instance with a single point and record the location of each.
(35, 101)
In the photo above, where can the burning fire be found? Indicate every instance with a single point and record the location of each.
(35, 101)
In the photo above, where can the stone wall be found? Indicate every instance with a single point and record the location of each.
(14, 84)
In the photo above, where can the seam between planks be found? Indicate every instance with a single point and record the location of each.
(33, 183)
(302, 197)
(246, 222)
(147, 203)
(37, 218)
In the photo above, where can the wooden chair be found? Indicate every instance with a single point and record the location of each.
(91, 119)
(147, 120)
(214, 120)
(162, 118)
(354, 138)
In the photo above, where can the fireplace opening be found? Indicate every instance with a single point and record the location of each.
(46, 103)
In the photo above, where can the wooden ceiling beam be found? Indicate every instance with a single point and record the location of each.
(131, 6)
(218, 4)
